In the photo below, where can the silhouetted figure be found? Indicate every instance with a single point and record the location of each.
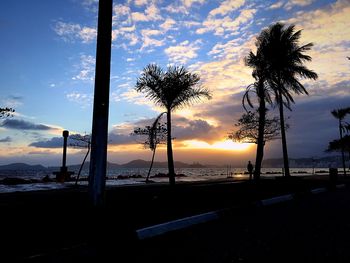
(250, 168)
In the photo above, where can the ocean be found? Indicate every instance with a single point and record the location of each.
(132, 176)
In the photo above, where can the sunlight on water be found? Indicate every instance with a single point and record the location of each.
(132, 176)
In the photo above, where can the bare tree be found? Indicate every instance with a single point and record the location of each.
(81, 141)
(155, 134)
(248, 131)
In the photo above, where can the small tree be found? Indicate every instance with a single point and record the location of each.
(6, 112)
(155, 134)
(248, 131)
(340, 115)
(81, 141)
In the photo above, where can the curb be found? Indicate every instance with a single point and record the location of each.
(160, 229)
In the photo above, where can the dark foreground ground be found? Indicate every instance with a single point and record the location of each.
(60, 226)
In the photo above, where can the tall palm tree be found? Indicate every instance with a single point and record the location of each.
(171, 89)
(284, 60)
(340, 114)
(262, 92)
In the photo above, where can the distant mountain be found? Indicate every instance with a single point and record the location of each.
(22, 166)
(145, 164)
(322, 162)
(135, 164)
(76, 167)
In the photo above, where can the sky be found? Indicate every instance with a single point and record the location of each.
(47, 54)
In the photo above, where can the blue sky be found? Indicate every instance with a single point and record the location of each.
(47, 57)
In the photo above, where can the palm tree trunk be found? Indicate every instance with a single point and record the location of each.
(283, 134)
(150, 168)
(260, 147)
(342, 146)
(170, 150)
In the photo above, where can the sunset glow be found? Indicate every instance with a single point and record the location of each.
(48, 67)
(221, 145)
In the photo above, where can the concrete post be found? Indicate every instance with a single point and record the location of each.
(98, 157)
(65, 136)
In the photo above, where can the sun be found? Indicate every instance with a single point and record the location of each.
(220, 145)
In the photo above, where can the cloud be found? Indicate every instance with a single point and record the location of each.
(277, 5)
(12, 101)
(199, 129)
(121, 134)
(291, 3)
(87, 68)
(322, 27)
(312, 126)
(151, 13)
(71, 32)
(226, 24)
(151, 42)
(183, 6)
(57, 142)
(189, 3)
(168, 25)
(132, 96)
(140, 2)
(182, 129)
(120, 12)
(91, 5)
(176, 9)
(24, 125)
(191, 23)
(235, 49)
(83, 99)
(6, 139)
(226, 7)
(183, 52)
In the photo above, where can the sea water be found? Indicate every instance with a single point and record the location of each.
(130, 176)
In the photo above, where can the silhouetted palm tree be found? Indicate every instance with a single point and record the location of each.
(262, 92)
(6, 112)
(284, 58)
(340, 114)
(173, 89)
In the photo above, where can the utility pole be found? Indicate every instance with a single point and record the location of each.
(99, 136)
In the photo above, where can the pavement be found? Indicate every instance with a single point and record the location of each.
(275, 221)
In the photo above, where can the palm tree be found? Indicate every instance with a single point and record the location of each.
(340, 114)
(173, 89)
(284, 61)
(262, 92)
(6, 112)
